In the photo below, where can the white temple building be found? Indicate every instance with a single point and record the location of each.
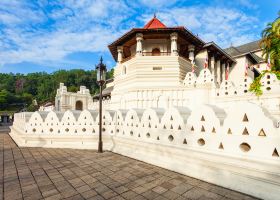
(154, 70)
(179, 103)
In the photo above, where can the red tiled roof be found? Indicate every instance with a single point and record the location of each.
(154, 23)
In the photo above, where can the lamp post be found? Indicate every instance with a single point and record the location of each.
(101, 79)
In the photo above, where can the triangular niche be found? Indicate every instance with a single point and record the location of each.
(245, 131)
(171, 118)
(171, 127)
(213, 130)
(275, 153)
(185, 141)
(262, 133)
(245, 118)
(202, 118)
(229, 131)
(192, 129)
(202, 129)
(179, 128)
(221, 146)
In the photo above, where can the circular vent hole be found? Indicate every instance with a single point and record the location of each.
(201, 142)
(34, 130)
(51, 130)
(245, 147)
(84, 130)
(67, 130)
(170, 138)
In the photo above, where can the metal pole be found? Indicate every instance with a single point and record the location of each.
(100, 144)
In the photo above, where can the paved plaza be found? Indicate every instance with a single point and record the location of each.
(39, 173)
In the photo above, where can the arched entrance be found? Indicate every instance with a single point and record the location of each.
(156, 52)
(79, 105)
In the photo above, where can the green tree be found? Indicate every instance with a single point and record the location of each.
(270, 43)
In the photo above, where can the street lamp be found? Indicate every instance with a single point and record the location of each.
(101, 80)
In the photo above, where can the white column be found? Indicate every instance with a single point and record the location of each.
(174, 49)
(120, 54)
(218, 69)
(191, 52)
(139, 39)
(223, 71)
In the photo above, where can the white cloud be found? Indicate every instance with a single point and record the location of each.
(158, 3)
(30, 33)
(221, 25)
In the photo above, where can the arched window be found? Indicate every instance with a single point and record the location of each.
(79, 105)
(156, 52)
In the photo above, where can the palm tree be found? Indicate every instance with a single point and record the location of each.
(271, 43)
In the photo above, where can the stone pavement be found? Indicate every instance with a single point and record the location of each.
(39, 173)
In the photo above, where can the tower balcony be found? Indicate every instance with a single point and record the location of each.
(153, 54)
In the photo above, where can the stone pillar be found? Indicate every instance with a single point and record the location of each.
(139, 39)
(191, 52)
(223, 71)
(120, 54)
(218, 69)
(174, 49)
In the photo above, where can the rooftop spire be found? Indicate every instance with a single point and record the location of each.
(154, 23)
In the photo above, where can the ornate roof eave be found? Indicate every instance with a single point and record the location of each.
(130, 34)
(215, 47)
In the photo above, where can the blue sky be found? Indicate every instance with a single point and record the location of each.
(48, 35)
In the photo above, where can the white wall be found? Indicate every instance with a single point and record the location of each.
(206, 142)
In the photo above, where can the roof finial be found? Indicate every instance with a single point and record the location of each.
(155, 16)
(101, 59)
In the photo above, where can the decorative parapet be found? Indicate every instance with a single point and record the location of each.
(190, 79)
(242, 143)
(207, 122)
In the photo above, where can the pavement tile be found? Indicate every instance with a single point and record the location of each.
(159, 189)
(150, 194)
(182, 188)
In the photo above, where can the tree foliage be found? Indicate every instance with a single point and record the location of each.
(270, 44)
(19, 90)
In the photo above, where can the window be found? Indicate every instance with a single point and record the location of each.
(155, 52)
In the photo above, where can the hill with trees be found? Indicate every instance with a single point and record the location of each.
(18, 91)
